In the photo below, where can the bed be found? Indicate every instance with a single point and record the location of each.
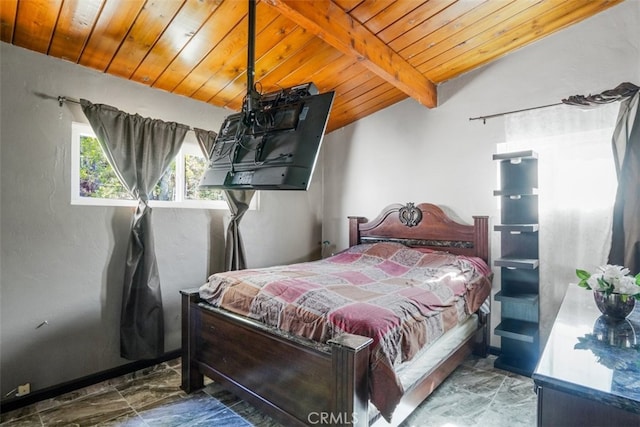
(323, 369)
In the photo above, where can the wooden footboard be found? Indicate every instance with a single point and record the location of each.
(293, 382)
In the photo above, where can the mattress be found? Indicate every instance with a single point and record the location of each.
(410, 373)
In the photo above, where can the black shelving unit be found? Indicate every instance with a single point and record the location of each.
(519, 284)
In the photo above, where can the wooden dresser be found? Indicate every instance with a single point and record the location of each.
(589, 372)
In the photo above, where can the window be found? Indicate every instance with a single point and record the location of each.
(94, 182)
(577, 185)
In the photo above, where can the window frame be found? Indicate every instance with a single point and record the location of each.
(190, 146)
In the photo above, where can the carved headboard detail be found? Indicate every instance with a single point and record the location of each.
(409, 215)
(423, 226)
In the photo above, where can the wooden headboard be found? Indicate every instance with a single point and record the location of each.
(423, 226)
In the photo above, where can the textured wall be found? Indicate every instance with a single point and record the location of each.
(409, 153)
(63, 263)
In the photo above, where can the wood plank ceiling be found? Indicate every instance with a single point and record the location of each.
(372, 53)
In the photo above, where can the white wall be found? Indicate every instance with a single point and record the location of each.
(407, 153)
(64, 264)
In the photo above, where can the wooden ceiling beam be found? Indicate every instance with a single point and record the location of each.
(329, 22)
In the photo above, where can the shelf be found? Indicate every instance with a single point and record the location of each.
(519, 298)
(517, 330)
(527, 154)
(517, 228)
(516, 193)
(514, 298)
(523, 263)
(519, 366)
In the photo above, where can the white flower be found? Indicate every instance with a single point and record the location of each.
(610, 279)
(627, 286)
(613, 273)
(593, 282)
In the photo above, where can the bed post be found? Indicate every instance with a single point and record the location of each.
(481, 244)
(481, 237)
(482, 341)
(354, 230)
(192, 379)
(350, 359)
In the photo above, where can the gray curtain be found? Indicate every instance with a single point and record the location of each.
(206, 141)
(625, 243)
(139, 150)
(238, 201)
(625, 247)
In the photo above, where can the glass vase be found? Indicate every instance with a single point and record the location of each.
(614, 306)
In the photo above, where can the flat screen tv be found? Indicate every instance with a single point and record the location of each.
(273, 147)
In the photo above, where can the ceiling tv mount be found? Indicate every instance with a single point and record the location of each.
(274, 141)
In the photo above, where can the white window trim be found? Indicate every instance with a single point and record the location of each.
(190, 146)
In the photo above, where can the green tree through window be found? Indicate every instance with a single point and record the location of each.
(194, 168)
(99, 180)
(94, 182)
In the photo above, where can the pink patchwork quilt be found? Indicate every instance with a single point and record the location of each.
(402, 298)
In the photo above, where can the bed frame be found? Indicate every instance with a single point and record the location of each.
(302, 384)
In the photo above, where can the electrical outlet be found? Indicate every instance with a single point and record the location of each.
(23, 389)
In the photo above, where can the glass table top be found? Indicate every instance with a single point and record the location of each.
(589, 355)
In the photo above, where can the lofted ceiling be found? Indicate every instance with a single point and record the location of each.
(372, 53)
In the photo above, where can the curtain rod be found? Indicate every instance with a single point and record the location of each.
(491, 116)
(62, 99)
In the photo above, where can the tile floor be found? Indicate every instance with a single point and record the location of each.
(476, 394)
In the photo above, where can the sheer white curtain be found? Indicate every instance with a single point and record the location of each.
(577, 187)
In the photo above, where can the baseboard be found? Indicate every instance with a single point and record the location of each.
(59, 389)
(494, 351)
